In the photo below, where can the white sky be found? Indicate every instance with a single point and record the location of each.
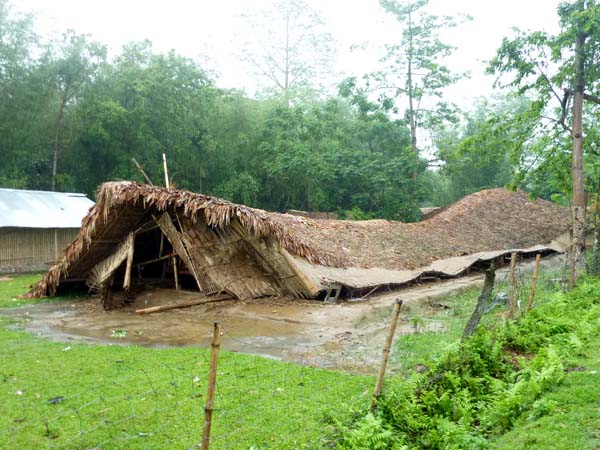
(213, 27)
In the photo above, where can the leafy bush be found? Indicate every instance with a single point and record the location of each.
(484, 385)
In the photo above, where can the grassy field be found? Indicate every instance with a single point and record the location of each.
(57, 395)
(67, 395)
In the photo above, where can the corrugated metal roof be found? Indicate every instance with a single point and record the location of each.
(41, 209)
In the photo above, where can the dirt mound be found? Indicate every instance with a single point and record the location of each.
(493, 219)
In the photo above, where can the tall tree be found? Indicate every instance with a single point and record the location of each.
(476, 153)
(72, 64)
(414, 67)
(562, 68)
(291, 48)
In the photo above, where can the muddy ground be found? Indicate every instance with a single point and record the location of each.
(348, 335)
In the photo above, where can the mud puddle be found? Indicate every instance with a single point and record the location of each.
(347, 336)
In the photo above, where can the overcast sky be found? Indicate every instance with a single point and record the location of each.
(197, 28)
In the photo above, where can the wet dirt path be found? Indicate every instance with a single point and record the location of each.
(348, 335)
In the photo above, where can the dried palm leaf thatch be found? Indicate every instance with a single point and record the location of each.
(102, 271)
(114, 197)
(489, 220)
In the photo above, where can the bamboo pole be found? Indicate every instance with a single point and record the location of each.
(386, 351)
(127, 278)
(151, 261)
(513, 285)
(185, 304)
(141, 170)
(534, 281)
(175, 273)
(167, 184)
(212, 381)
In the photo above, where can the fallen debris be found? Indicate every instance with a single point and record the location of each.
(185, 304)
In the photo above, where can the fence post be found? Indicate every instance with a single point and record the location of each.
(534, 281)
(386, 351)
(215, 344)
(513, 285)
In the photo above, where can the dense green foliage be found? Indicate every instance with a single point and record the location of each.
(72, 117)
(71, 107)
(486, 385)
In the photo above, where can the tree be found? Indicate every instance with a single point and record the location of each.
(20, 109)
(414, 67)
(478, 152)
(560, 68)
(70, 66)
(291, 49)
(142, 105)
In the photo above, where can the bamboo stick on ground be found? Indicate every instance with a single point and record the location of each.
(184, 304)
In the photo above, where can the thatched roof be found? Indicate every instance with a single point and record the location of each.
(490, 220)
(128, 202)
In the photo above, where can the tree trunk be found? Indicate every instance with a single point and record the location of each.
(578, 243)
(411, 106)
(482, 301)
(595, 269)
(57, 127)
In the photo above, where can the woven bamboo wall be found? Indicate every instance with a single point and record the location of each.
(32, 249)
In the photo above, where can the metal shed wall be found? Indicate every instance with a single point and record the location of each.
(32, 249)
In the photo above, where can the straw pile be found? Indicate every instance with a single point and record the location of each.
(494, 219)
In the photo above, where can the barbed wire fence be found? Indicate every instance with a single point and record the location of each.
(268, 394)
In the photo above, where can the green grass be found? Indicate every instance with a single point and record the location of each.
(117, 396)
(424, 347)
(11, 289)
(66, 395)
(533, 403)
(574, 422)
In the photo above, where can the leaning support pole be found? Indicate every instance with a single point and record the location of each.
(215, 345)
(128, 266)
(482, 301)
(534, 280)
(386, 352)
(174, 260)
(141, 170)
(513, 285)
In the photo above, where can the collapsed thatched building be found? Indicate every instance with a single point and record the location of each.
(145, 232)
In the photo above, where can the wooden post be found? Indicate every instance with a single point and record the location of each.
(106, 296)
(482, 301)
(127, 278)
(175, 273)
(386, 351)
(212, 381)
(513, 285)
(534, 281)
